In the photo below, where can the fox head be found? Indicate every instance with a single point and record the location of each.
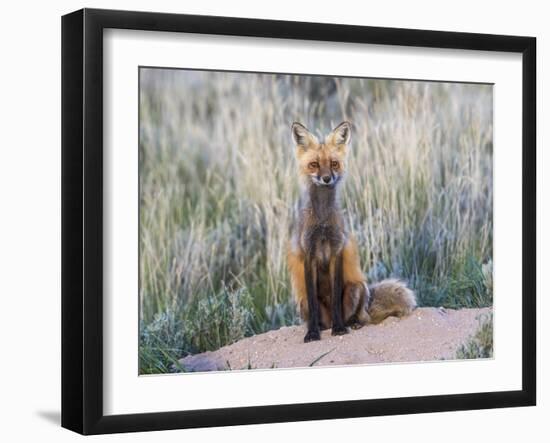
(323, 164)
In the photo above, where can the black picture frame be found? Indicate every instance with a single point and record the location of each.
(82, 220)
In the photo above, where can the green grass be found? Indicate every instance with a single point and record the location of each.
(481, 344)
(218, 185)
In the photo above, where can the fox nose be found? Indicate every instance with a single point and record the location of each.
(326, 178)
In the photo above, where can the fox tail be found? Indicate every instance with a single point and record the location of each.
(390, 297)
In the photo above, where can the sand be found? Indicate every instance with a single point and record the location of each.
(427, 334)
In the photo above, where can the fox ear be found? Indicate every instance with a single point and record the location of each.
(302, 137)
(341, 135)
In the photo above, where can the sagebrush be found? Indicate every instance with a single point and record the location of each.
(480, 345)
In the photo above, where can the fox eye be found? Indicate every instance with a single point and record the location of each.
(334, 164)
(314, 165)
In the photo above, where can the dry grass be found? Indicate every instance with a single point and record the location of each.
(218, 187)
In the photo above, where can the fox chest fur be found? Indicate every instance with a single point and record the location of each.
(323, 234)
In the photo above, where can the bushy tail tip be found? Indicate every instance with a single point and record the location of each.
(390, 297)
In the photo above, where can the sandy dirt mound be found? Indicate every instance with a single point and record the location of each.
(427, 334)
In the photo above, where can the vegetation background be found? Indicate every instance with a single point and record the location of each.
(218, 187)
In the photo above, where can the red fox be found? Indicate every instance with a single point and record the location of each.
(327, 281)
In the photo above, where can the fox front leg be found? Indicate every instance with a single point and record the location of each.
(337, 279)
(313, 329)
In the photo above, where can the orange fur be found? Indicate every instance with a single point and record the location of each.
(352, 266)
(295, 261)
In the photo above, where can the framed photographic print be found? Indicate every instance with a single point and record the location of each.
(269, 221)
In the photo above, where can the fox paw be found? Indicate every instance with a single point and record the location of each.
(339, 330)
(357, 325)
(312, 336)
